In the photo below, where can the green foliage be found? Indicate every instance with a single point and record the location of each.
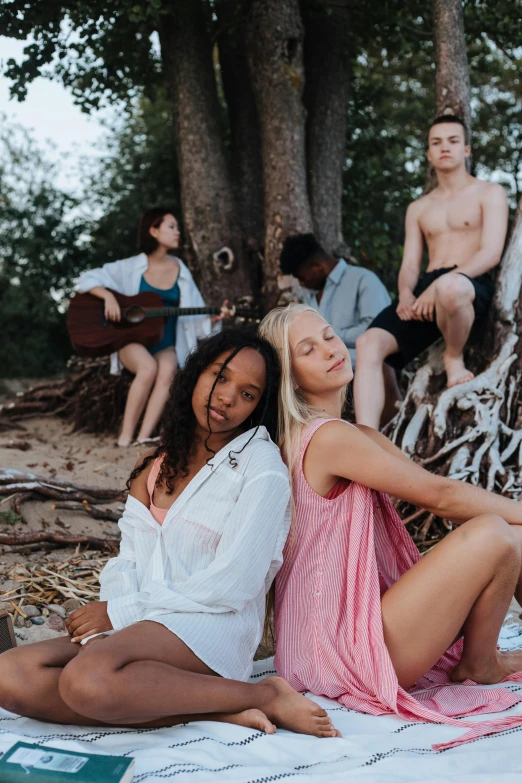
(392, 95)
(100, 51)
(40, 253)
(137, 171)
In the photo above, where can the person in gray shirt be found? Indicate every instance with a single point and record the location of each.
(347, 296)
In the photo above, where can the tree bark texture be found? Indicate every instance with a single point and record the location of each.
(209, 211)
(452, 75)
(452, 85)
(245, 135)
(275, 44)
(473, 431)
(326, 61)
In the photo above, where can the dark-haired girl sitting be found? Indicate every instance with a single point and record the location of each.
(154, 269)
(182, 606)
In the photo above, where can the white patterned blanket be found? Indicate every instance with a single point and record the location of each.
(372, 750)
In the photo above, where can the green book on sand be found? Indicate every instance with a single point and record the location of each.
(25, 762)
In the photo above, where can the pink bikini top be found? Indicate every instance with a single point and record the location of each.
(159, 514)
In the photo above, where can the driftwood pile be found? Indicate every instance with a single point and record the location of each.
(88, 397)
(76, 578)
(18, 487)
(45, 593)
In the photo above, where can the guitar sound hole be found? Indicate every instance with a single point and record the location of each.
(134, 315)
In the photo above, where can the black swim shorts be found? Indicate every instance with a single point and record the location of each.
(413, 337)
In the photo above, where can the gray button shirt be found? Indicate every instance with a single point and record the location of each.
(351, 299)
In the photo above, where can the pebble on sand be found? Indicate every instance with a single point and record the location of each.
(55, 622)
(57, 609)
(31, 611)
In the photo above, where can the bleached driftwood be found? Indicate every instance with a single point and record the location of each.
(20, 487)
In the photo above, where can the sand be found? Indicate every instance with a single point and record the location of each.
(57, 452)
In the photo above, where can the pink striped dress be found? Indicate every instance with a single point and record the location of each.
(344, 550)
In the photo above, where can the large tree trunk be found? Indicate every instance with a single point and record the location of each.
(245, 135)
(209, 211)
(452, 75)
(275, 44)
(326, 58)
(452, 87)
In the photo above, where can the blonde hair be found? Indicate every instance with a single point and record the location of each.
(295, 412)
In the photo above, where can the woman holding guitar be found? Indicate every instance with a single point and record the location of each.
(154, 269)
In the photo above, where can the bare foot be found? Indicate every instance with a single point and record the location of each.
(251, 719)
(501, 666)
(456, 370)
(293, 711)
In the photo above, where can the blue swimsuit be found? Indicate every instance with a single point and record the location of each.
(170, 298)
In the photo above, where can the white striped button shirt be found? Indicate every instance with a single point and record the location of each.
(204, 573)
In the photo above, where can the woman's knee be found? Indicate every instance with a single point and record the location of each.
(165, 376)
(86, 686)
(148, 370)
(493, 534)
(15, 682)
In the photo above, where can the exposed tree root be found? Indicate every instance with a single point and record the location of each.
(89, 397)
(43, 536)
(20, 487)
(95, 513)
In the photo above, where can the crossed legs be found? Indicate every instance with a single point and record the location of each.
(144, 676)
(150, 387)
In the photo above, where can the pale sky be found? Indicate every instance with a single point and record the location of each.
(49, 112)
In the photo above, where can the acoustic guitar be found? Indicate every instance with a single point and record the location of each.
(143, 318)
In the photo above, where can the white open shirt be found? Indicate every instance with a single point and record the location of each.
(205, 572)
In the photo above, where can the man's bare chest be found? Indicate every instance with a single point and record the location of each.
(453, 216)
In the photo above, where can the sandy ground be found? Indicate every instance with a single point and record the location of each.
(56, 452)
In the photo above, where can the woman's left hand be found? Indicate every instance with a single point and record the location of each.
(226, 312)
(88, 620)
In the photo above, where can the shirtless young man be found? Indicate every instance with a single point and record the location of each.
(463, 222)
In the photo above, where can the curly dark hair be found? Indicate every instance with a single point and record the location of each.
(179, 422)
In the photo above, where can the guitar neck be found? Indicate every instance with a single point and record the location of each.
(167, 312)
